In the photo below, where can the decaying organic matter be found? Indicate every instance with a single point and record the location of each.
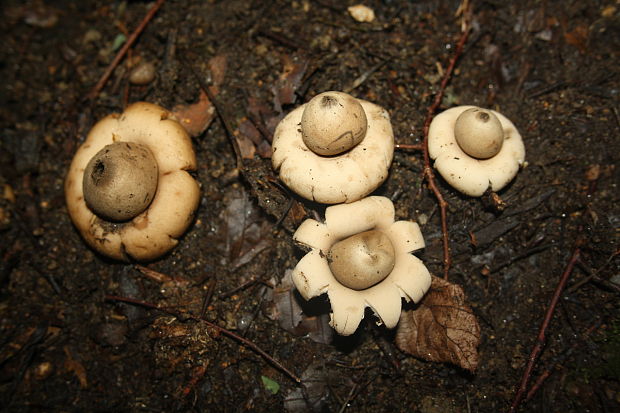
(549, 66)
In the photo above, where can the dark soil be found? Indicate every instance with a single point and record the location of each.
(550, 66)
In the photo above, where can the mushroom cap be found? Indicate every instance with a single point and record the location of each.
(332, 123)
(408, 279)
(347, 177)
(155, 231)
(479, 133)
(469, 175)
(120, 181)
(362, 260)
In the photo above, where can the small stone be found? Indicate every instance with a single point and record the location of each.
(142, 74)
(361, 13)
(422, 219)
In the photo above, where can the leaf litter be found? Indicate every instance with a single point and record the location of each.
(442, 329)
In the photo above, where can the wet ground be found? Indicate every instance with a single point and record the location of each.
(69, 343)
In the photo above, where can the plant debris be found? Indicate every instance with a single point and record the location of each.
(197, 329)
(443, 328)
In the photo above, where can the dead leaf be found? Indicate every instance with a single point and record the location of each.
(298, 212)
(77, 368)
(246, 146)
(443, 328)
(251, 140)
(254, 249)
(578, 38)
(593, 172)
(287, 312)
(285, 306)
(217, 66)
(264, 150)
(247, 128)
(289, 81)
(263, 117)
(247, 232)
(312, 394)
(196, 117)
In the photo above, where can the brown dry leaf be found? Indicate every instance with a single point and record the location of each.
(247, 128)
(289, 81)
(77, 368)
(593, 172)
(264, 150)
(246, 146)
(248, 135)
(217, 66)
(247, 232)
(443, 328)
(249, 139)
(298, 212)
(287, 310)
(578, 38)
(196, 117)
(285, 306)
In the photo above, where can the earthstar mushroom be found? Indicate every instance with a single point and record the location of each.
(475, 149)
(334, 149)
(128, 190)
(357, 235)
(120, 181)
(479, 133)
(362, 260)
(332, 123)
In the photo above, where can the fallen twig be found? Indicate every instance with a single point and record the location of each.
(221, 330)
(387, 348)
(407, 146)
(547, 373)
(428, 170)
(593, 275)
(161, 277)
(355, 390)
(252, 281)
(123, 51)
(364, 76)
(206, 301)
(220, 113)
(540, 340)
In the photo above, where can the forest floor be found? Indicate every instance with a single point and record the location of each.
(69, 343)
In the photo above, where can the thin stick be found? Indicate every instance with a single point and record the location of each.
(409, 146)
(123, 51)
(540, 340)
(222, 330)
(547, 373)
(428, 170)
(230, 133)
(248, 283)
(353, 393)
